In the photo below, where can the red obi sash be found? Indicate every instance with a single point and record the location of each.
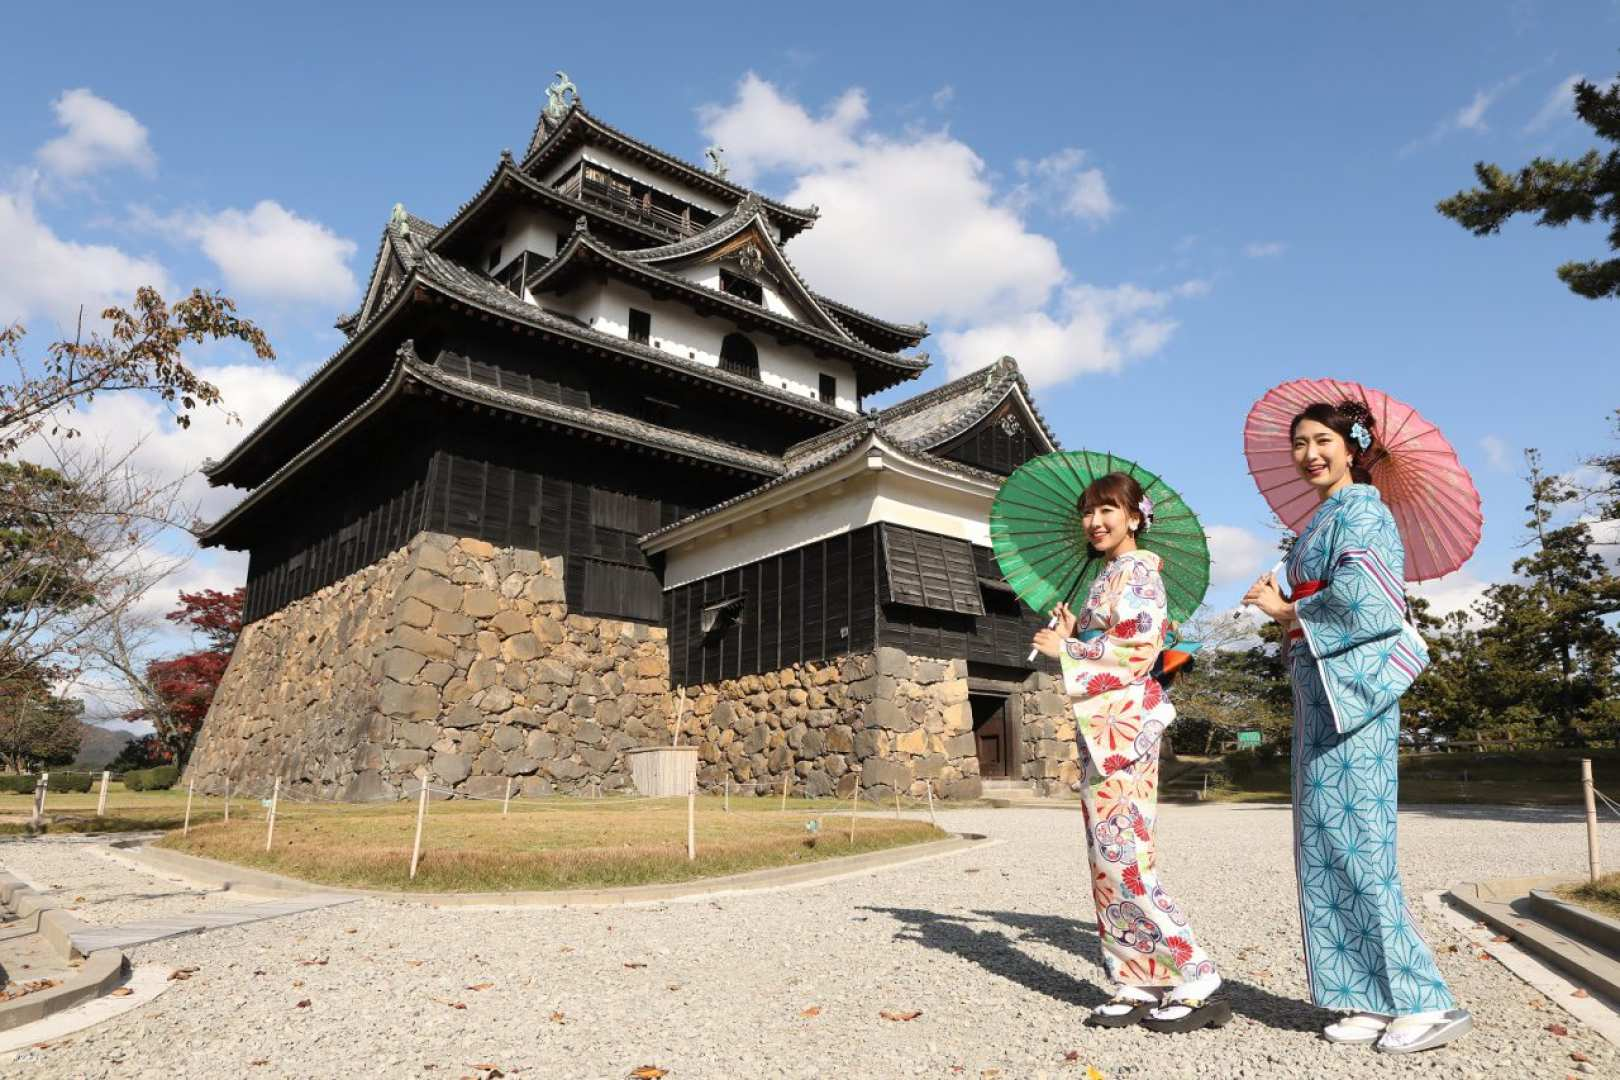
(1301, 591)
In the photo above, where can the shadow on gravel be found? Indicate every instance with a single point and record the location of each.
(1528, 815)
(983, 937)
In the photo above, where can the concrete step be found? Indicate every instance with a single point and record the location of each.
(1512, 907)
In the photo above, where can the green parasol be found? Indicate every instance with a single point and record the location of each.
(1041, 548)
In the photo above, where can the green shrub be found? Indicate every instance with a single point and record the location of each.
(161, 778)
(70, 783)
(18, 783)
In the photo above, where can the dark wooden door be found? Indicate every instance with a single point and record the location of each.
(991, 735)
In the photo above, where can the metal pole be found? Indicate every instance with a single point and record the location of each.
(185, 829)
(270, 822)
(101, 803)
(421, 812)
(1591, 820)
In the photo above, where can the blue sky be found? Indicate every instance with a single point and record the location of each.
(1161, 212)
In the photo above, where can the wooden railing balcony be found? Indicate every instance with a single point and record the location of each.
(640, 209)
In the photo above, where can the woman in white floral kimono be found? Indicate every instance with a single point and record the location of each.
(1165, 981)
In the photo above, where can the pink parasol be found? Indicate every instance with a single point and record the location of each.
(1431, 495)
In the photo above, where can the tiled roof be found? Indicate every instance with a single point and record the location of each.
(825, 453)
(577, 117)
(908, 334)
(935, 417)
(408, 367)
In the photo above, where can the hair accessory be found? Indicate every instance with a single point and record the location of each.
(1359, 432)
(1145, 507)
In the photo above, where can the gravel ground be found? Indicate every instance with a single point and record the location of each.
(994, 948)
(100, 888)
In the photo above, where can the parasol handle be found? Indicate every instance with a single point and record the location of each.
(1255, 613)
(1032, 652)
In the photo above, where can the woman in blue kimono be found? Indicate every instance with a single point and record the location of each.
(1349, 660)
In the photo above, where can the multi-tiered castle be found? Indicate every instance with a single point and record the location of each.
(595, 451)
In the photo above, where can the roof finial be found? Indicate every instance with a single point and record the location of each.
(399, 221)
(560, 96)
(506, 155)
(582, 224)
(717, 164)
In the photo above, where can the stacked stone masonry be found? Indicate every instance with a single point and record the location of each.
(457, 663)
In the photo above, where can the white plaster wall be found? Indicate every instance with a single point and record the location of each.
(681, 332)
(864, 499)
(532, 230)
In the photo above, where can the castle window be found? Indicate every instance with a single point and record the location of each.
(739, 356)
(640, 326)
(739, 286)
(829, 390)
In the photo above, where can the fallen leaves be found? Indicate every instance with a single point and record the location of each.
(304, 1004)
(1558, 1029)
(1580, 993)
(480, 986)
(812, 1011)
(1576, 1055)
(313, 963)
(648, 1072)
(558, 1018)
(17, 990)
(352, 930)
(1501, 938)
(452, 1004)
(634, 964)
(889, 1014)
(122, 991)
(182, 974)
(259, 1061)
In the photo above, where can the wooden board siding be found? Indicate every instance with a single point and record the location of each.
(422, 465)
(833, 598)
(931, 571)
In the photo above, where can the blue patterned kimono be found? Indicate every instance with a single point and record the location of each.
(1363, 951)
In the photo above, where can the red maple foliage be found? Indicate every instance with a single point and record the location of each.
(184, 685)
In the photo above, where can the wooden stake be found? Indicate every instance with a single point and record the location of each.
(421, 812)
(728, 793)
(270, 827)
(40, 786)
(506, 803)
(680, 708)
(1593, 862)
(931, 819)
(227, 800)
(785, 781)
(185, 829)
(854, 802)
(691, 824)
(896, 802)
(101, 803)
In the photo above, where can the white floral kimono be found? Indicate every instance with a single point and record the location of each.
(1120, 714)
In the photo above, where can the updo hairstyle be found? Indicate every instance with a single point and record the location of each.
(1121, 490)
(1342, 419)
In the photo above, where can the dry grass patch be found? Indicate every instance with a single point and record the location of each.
(543, 844)
(1601, 896)
(127, 811)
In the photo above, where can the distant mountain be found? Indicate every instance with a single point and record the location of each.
(99, 746)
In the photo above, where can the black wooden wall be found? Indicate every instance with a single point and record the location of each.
(836, 597)
(424, 464)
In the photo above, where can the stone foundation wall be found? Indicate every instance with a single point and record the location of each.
(1050, 752)
(448, 660)
(901, 720)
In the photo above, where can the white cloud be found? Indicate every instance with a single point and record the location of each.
(1094, 330)
(1264, 250)
(43, 275)
(943, 97)
(913, 227)
(1496, 452)
(271, 253)
(1063, 181)
(1238, 556)
(1457, 591)
(1471, 117)
(1560, 105)
(99, 136)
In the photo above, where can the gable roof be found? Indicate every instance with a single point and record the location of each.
(577, 125)
(583, 251)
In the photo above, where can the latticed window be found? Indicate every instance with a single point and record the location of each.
(739, 356)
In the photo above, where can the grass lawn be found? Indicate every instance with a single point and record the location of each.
(1525, 778)
(544, 844)
(1601, 896)
(127, 811)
